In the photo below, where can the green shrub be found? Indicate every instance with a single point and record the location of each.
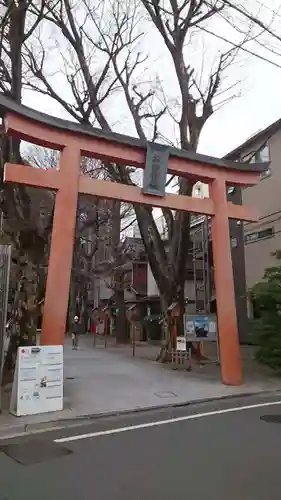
(267, 327)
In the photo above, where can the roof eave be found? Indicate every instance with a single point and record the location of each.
(8, 105)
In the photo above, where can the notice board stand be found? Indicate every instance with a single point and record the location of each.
(38, 381)
(202, 328)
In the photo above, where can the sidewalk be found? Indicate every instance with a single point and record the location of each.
(107, 381)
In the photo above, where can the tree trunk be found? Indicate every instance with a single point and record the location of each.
(166, 334)
(84, 308)
(118, 278)
(181, 302)
(122, 330)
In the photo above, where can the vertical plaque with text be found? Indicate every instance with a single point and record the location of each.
(156, 169)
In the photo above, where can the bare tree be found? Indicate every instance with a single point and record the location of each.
(99, 224)
(254, 16)
(92, 214)
(259, 20)
(26, 232)
(103, 63)
(17, 24)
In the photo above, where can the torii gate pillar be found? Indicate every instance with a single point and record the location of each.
(61, 251)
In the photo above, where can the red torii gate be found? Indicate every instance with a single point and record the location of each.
(74, 140)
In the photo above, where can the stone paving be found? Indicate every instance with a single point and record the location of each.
(106, 381)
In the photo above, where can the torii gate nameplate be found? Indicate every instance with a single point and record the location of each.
(155, 170)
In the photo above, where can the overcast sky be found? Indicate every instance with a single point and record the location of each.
(259, 98)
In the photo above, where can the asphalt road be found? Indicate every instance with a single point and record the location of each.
(204, 452)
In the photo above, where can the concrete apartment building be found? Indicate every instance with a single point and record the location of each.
(263, 237)
(194, 291)
(200, 190)
(135, 278)
(143, 281)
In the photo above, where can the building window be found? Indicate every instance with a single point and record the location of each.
(263, 154)
(259, 235)
(260, 156)
(266, 173)
(248, 158)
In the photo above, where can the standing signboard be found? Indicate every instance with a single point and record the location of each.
(200, 327)
(38, 380)
(181, 344)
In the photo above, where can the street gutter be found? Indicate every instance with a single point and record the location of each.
(24, 429)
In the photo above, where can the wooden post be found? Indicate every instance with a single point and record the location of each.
(134, 338)
(95, 335)
(105, 330)
(174, 330)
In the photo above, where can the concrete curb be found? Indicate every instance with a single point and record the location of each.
(22, 429)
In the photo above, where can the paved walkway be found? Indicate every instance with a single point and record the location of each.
(99, 381)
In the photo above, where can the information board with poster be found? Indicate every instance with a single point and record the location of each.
(38, 380)
(200, 327)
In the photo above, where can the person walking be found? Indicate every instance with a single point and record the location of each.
(75, 332)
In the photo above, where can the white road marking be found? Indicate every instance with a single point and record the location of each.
(164, 422)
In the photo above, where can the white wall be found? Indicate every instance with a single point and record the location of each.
(101, 292)
(152, 288)
(200, 190)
